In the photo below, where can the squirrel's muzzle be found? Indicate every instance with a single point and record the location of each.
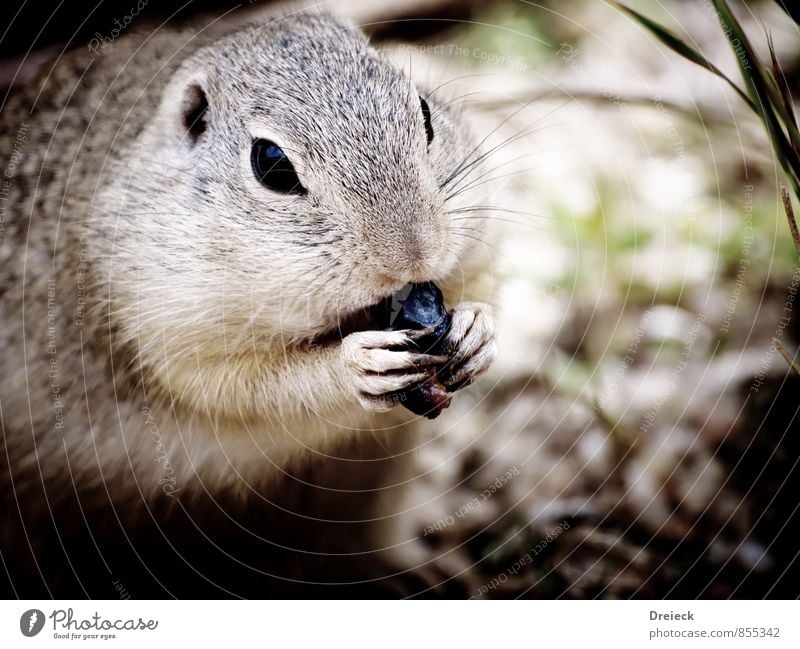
(408, 255)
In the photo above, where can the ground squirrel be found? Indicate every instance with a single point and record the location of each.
(189, 222)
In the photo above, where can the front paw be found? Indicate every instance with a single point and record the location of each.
(470, 343)
(379, 366)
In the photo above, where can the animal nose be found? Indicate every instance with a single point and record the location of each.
(421, 254)
(412, 255)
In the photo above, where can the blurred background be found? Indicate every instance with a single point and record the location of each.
(639, 394)
(638, 435)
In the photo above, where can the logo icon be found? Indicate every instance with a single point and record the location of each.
(31, 622)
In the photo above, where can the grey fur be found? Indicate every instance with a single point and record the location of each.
(164, 314)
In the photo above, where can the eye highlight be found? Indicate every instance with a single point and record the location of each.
(273, 169)
(426, 114)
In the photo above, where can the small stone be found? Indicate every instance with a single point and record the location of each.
(416, 307)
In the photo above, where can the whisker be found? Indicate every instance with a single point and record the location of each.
(499, 166)
(501, 220)
(442, 107)
(482, 180)
(478, 239)
(477, 147)
(453, 80)
(462, 175)
(463, 230)
(493, 208)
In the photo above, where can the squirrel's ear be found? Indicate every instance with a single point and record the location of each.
(194, 110)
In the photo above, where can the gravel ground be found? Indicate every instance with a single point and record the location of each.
(636, 437)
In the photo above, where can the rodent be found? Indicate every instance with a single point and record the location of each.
(190, 219)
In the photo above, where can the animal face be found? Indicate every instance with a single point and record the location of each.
(300, 178)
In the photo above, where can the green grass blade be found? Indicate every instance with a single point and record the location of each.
(789, 360)
(677, 45)
(765, 95)
(786, 94)
(791, 9)
(787, 207)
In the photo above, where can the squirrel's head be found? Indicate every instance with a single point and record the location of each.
(289, 176)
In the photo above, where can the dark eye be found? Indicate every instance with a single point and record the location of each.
(273, 169)
(426, 114)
